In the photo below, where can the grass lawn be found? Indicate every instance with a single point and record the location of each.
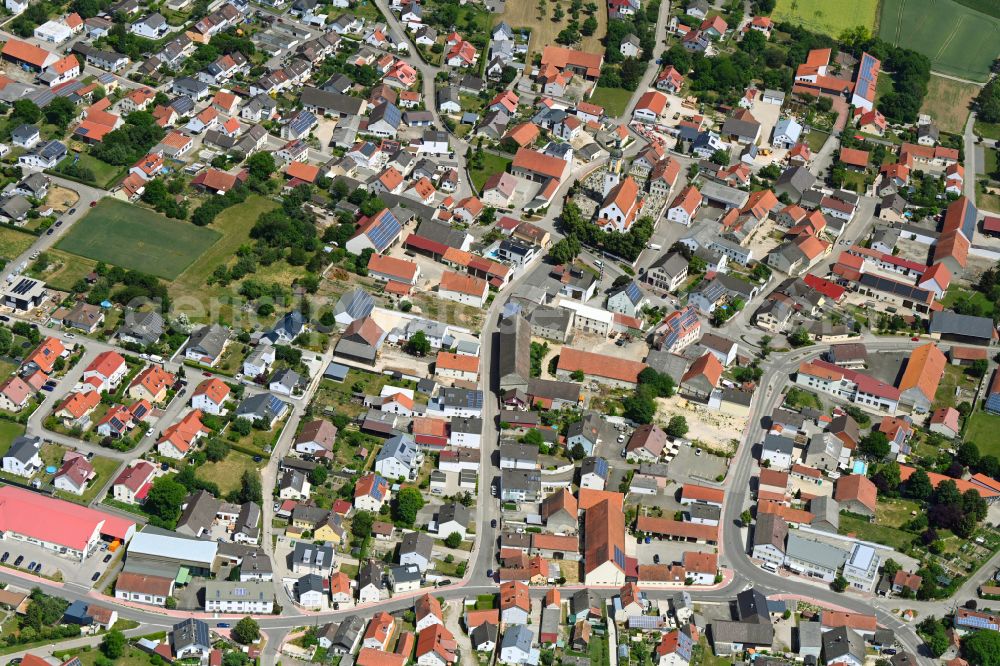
(492, 164)
(126, 235)
(987, 130)
(13, 243)
(830, 18)
(131, 657)
(9, 431)
(862, 529)
(227, 472)
(104, 468)
(895, 512)
(234, 225)
(958, 40)
(104, 174)
(987, 201)
(990, 161)
(614, 100)
(954, 377)
(855, 182)
(957, 294)
(816, 139)
(947, 102)
(982, 428)
(64, 270)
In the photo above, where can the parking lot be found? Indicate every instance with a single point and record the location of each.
(690, 467)
(20, 555)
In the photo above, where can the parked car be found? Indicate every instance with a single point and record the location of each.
(107, 558)
(48, 388)
(31, 567)
(97, 574)
(17, 562)
(222, 625)
(72, 210)
(6, 555)
(493, 523)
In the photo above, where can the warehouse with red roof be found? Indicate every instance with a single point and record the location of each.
(55, 524)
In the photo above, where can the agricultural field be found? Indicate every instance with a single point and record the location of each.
(948, 103)
(525, 14)
(830, 18)
(135, 238)
(234, 225)
(958, 40)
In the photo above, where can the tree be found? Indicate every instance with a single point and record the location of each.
(60, 112)
(235, 659)
(113, 644)
(934, 635)
(839, 584)
(409, 501)
(875, 445)
(678, 426)
(250, 487)
(453, 540)
(216, 450)
(982, 648)
(318, 475)
(261, 165)
(6, 340)
(799, 338)
(977, 369)
(246, 631)
(720, 157)
(25, 111)
(746, 517)
(418, 344)
(641, 405)
(164, 500)
(577, 376)
(968, 454)
(362, 524)
(890, 568)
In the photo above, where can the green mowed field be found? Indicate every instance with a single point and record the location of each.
(982, 429)
(125, 235)
(958, 40)
(830, 18)
(614, 100)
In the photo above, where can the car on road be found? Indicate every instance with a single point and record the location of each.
(58, 223)
(49, 232)
(71, 335)
(34, 255)
(31, 567)
(93, 203)
(17, 562)
(443, 583)
(915, 339)
(656, 558)
(5, 557)
(46, 387)
(489, 573)
(4, 318)
(493, 523)
(107, 558)
(222, 625)
(889, 651)
(97, 574)
(72, 210)
(697, 452)
(15, 660)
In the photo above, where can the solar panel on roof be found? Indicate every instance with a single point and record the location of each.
(117, 424)
(633, 292)
(619, 557)
(140, 411)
